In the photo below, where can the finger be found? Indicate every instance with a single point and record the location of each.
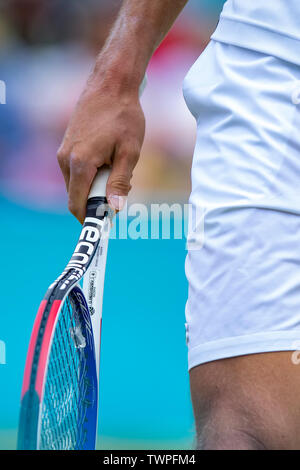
(82, 173)
(63, 158)
(118, 185)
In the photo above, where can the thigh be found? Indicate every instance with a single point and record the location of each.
(257, 394)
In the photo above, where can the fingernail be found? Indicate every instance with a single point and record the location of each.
(117, 202)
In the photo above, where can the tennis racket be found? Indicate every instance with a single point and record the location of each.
(59, 401)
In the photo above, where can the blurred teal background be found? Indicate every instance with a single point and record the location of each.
(144, 398)
(46, 51)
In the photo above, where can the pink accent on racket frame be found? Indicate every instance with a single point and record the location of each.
(32, 343)
(45, 347)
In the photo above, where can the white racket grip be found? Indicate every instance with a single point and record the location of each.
(98, 188)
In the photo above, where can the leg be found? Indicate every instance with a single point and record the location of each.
(247, 402)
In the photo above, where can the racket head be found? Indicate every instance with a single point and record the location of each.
(59, 401)
(61, 365)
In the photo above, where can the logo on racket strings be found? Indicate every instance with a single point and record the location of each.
(80, 340)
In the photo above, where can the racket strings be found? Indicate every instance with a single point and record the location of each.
(64, 405)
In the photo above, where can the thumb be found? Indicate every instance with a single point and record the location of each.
(118, 184)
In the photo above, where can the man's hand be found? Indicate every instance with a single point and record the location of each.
(107, 127)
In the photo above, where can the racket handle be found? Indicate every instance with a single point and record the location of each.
(98, 188)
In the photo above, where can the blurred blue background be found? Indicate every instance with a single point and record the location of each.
(46, 51)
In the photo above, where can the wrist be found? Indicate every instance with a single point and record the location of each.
(123, 60)
(118, 72)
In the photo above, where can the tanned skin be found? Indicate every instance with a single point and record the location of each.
(108, 125)
(249, 402)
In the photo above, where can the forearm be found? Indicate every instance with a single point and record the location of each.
(108, 124)
(140, 27)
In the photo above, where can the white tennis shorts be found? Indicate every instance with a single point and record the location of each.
(243, 264)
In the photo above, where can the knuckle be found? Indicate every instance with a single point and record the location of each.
(76, 158)
(78, 162)
(62, 155)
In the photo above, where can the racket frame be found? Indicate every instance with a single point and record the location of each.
(85, 263)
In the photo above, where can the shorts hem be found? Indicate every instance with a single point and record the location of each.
(243, 345)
